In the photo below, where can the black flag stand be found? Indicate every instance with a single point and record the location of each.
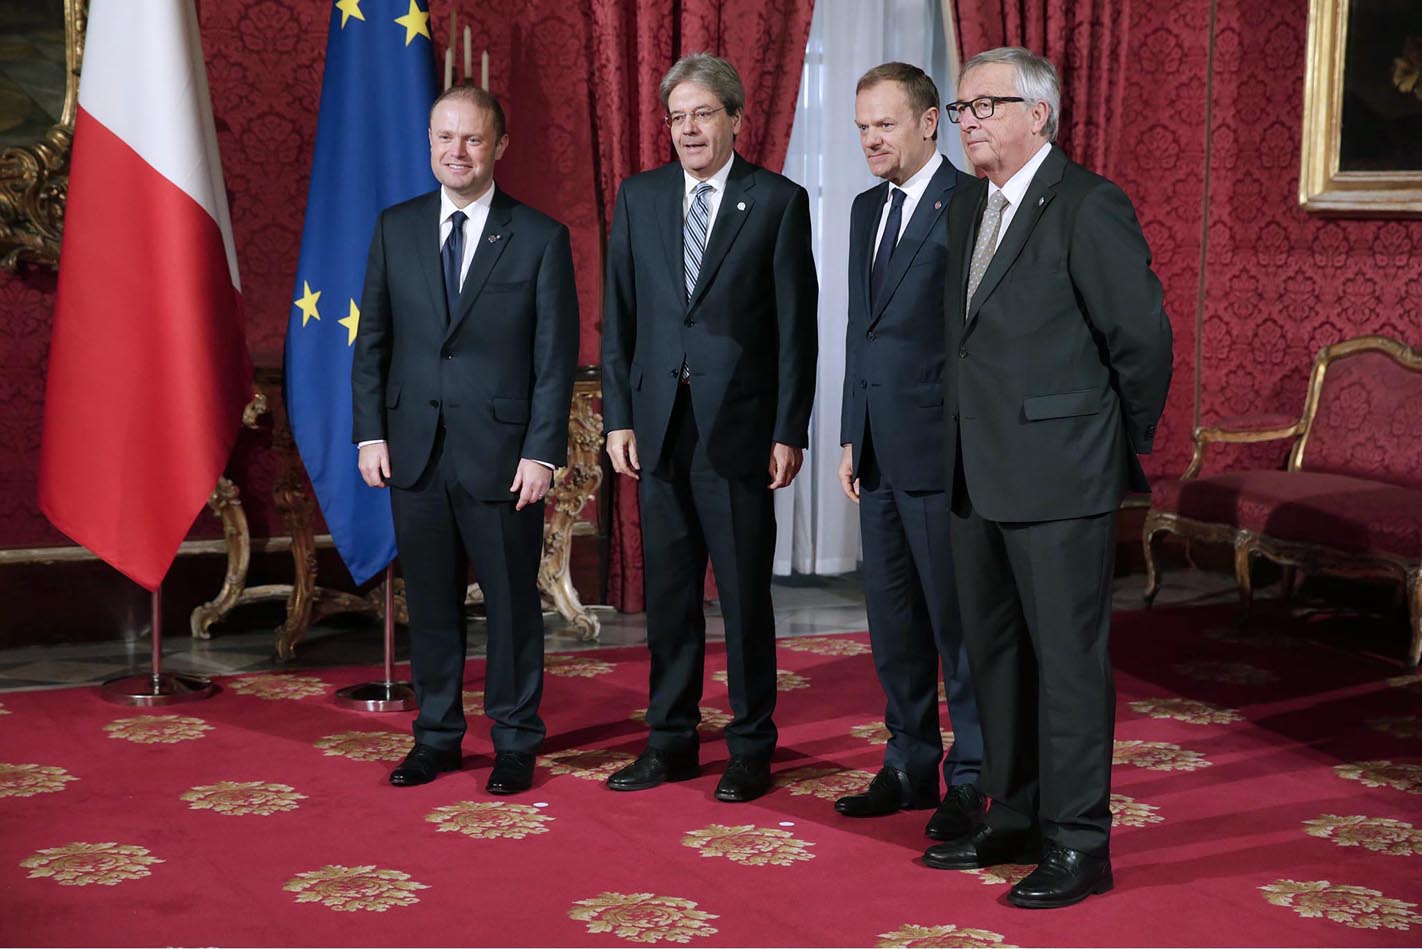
(387, 696)
(158, 687)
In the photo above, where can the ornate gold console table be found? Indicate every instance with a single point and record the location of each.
(307, 603)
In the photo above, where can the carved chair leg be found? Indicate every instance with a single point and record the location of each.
(1149, 532)
(1414, 614)
(1243, 549)
(226, 503)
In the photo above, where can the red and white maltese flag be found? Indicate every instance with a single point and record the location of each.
(148, 366)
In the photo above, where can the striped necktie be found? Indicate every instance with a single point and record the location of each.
(698, 225)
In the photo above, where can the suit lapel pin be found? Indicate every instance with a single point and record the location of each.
(1041, 201)
(741, 206)
(494, 237)
(938, 205)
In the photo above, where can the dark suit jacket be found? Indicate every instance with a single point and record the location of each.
(748, 335)
(499, 370)
(893, 356)
(1059, 373)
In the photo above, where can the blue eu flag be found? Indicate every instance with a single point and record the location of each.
(372, 151)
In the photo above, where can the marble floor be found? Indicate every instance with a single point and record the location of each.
(804, 605)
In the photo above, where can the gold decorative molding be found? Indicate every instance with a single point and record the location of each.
(34, 179)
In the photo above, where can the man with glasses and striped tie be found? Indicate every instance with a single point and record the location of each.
(708, 376)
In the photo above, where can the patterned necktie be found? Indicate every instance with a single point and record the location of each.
(698, 225)
(987, 243)
(453, 254)
(887, 243)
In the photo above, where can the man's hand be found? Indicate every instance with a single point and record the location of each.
(785, 464)
(622, 449)
(847, 481)
(531, 482)
(374, 464)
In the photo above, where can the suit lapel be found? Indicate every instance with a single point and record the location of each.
(735, 207)
(497, 235)
(431, 264)
(670, 220)
(1039, 194)
(925, 217)
(864, 225)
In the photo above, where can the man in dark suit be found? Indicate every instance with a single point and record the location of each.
(462, 380)
(708, 375)
(1059, 363)
(892, 467)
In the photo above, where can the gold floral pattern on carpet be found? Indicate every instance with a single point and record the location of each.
(1398, 726)
(243, 798)
(1191, 711)
(823, 781)
(749, 845)
(590, 764)
(824, 645)
(3, 709)
(1010, 874)
(876, 733)
(1379, 834)
(713, 720)
(643, 917)
(1259, 639)
(27, 780)
(947, 936)
(366, 746)
(473, 702)
(1129, 812)
(1412, 680)
(573, 665)
(1356, 907)
(83, 864)
(785, 680)
(158, 729)
(278, 686)
(1158, 756)
(1226, 672)
(1383, 774)
(490, 820)
(349, 889)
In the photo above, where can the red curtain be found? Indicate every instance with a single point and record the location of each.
(1084, 39)
(633, 44)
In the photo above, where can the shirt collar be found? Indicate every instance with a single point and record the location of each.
(1016, 187)
(918, 184)
(717, 181)
(448, 207)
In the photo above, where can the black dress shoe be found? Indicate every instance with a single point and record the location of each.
(513, 772)
(745, 780)
(984, 847)
(653, 767)
(959, 815)
(423, 764)
(1064, 877)
(891, 790)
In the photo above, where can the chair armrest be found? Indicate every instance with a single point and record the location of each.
(1241, 430)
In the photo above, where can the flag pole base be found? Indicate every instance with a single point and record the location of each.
(377, 697)
(167, 688)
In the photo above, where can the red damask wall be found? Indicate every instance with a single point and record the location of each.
(1278, 285)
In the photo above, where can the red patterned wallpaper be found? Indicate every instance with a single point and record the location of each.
(1280, 283)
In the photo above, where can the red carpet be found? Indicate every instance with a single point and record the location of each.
(1270, 793)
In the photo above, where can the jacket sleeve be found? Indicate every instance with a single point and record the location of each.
(555, 353)
(370, 363)
(797, 293)
(619, 322)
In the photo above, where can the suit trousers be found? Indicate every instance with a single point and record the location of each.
(914, 628)
(689, 512)
(440, 530)
(1036, 606)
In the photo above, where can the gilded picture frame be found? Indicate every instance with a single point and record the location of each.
(34, 175)
(1362, 110)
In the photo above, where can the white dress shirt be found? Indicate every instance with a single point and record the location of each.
(713, 200)
(913, 190)
(1016, 189)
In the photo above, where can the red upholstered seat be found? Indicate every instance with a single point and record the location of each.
(1354, 514)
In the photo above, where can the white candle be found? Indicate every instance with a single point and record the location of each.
(468, 55)
(448, 67)
(484, 72)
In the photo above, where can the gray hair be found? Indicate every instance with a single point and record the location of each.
(714, 73)
(1036, 80)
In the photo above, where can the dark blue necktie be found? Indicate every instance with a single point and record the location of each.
(453, 255)
(886, 246)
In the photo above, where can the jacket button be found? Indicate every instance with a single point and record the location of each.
(962, 354)
(870, 336)
(448, 355)
(955, 416)
(434, 403)
(863, 384)
(673, 372)
(689, 321)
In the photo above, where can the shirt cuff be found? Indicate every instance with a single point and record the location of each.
(373, 441)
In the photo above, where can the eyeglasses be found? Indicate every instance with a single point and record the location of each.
(677, 119)
(982, 107)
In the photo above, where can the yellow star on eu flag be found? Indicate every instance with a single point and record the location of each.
(349, 8)
(308, 303)
(416, 23)
(351, 323)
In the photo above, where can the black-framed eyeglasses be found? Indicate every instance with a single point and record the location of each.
(982, 107)
(676, 120)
